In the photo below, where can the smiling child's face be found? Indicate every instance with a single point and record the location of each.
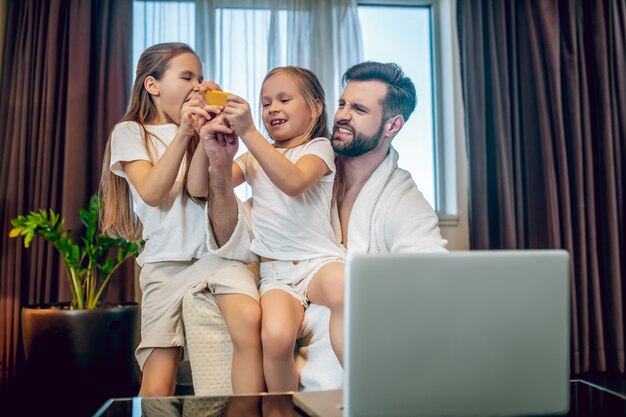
(286, 114)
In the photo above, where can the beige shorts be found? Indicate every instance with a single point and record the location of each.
(163, 285)
(292, 278)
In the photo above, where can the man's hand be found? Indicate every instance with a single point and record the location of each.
(220, 143)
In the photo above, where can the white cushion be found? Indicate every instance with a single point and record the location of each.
(209, 347)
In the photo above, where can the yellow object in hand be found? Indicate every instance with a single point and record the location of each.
(216, 97)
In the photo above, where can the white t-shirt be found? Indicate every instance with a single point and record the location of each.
(292, 228)
(173, 231)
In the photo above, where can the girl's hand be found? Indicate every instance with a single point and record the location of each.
(199, 118)
(237, 113)
(194, 114)
(208, 86)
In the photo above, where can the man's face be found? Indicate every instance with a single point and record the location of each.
(359, 124)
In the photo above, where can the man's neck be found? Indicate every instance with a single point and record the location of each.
(356, 171)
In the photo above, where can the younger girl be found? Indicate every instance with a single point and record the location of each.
(142, 187)
(292, 186)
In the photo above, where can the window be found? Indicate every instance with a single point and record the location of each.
(162, 21)
(412, 50)
(424, 150)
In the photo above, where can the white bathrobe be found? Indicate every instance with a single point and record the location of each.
(390, 215)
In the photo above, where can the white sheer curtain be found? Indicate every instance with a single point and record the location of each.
(241, 40)
(161, 21)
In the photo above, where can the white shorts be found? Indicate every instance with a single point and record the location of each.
(293, 278)
(163, 285)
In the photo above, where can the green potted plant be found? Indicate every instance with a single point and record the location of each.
(84, 346)
(89, 263)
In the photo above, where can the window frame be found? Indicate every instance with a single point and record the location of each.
(451, 183)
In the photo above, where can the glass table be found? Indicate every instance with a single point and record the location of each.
(586, 400)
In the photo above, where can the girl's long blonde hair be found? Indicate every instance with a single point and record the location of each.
(117, 218)
(313, 92)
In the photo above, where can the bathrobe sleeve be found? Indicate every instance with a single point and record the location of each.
(412, 226)
(238, 246)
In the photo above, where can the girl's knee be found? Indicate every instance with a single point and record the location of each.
(336, 299)
(250, 315)
(247, 331)
(333, 296)
(277, 341)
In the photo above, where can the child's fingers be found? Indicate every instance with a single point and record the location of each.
(207, 86)
(235, 98)
(199, 112)
(213, 108)
(238, 106)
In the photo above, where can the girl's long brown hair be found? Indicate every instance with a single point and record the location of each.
(117, 218)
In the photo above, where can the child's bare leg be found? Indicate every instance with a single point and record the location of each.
(281, 320)
(159, 373)
(243, 317)
(326, 288)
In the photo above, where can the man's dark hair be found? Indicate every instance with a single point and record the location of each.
(401, 97)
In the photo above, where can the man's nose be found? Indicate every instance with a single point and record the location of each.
(342, 114)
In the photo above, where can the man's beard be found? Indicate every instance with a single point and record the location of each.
(360, 143)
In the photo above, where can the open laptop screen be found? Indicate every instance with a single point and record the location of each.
(457, 334)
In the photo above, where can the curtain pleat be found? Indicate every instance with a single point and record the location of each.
(545, 101)
(65, 82)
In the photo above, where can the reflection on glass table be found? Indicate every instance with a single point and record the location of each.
(279, 405)
(586, 400)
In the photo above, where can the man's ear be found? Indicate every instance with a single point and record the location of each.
(393, 125)
(151, 85)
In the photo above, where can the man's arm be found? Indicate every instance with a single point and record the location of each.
(411, 225)
(222, 203)
(229, 230)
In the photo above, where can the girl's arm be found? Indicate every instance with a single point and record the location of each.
(154, 181)
(292, 179)
(198, 175)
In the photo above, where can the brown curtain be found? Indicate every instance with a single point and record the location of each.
(65, 83)
(544, 84)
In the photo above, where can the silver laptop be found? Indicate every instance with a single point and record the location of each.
(459, 334)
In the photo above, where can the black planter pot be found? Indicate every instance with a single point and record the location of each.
(80, 357)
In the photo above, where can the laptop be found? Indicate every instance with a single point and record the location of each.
(478, 333)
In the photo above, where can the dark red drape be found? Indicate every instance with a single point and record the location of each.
(65, 83)
(544, 84)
